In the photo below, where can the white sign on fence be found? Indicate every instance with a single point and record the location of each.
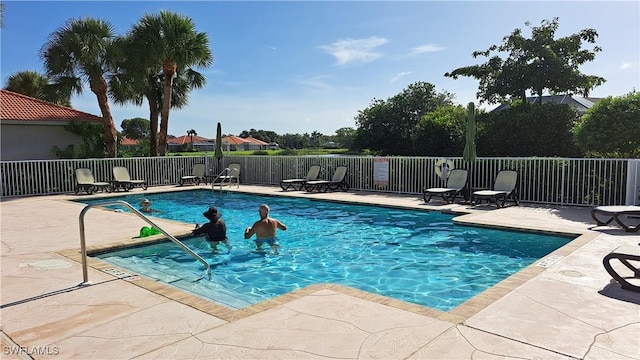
(381, 172)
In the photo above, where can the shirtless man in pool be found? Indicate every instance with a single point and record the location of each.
(265, 229)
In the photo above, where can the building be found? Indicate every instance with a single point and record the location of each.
(183, 142)
(232, 143)
(31, 127)
(581, 104)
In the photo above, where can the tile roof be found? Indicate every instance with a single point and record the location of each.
(128, 142)
(256, 141)
(14, 106)
(234, 140)
(186, 139)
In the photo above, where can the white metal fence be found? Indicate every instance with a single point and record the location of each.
(560, 181)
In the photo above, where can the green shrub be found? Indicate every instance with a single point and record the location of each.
(528, 130)
(611, 128)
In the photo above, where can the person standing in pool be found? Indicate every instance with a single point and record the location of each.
(265, 229)
(145, 206)
(215, 231)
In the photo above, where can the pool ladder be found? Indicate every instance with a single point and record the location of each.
(83, 247)
(229, 176)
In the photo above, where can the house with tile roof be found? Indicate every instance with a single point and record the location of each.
(256, 144)
(232, 142)
(128, 144)
(184, 142)
(31, 127)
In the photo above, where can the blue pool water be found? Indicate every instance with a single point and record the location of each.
(415, 256)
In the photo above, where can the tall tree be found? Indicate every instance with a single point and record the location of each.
(264, 135)
(537, 64)
(138, 78)
(82, 50)
(133, 84)
(316, 138)
(136, 128)
(387, 127)
(344, 137)
(294, 141)
(191, 134)
(171, 42)
(36, 85)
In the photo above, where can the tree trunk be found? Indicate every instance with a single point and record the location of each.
(153, 124)
(168, 71)
(99, 87)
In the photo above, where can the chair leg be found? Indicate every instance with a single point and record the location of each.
(501, 201)
(622, 281)
(599, 222)
(627, 228)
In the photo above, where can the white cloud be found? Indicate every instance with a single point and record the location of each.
(315, 82)
(355, 50)
(426, 49)
(626, 65)
(399, 75)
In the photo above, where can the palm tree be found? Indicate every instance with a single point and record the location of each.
(138, 79)
(169, 41)
(36, 85)
(28, 83)
(81, 50)
(191, 134)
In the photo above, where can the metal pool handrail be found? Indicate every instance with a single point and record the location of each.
(226, 171)
(213, 182)
(83, 247)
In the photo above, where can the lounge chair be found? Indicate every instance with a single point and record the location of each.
(456, 183)
(624, 254)
(231, 174)
(86, 182)
(197, 175)
(504, 189)
(122, 180)
(336, 182)
(616, 213)
(298, 184)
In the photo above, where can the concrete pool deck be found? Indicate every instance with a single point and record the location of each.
(565, 306)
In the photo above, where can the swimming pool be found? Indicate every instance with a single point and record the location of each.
(414, 256)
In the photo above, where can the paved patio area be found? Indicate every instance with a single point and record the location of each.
(565, 306)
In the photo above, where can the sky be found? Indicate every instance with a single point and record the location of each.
(296, 67)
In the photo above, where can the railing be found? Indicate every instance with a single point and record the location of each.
(83, 246)
(225, 174)
(554, 181)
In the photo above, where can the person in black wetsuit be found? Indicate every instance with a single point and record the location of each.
(215, 231)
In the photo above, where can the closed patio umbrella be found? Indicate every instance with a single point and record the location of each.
(469, 154)
(219, 153)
